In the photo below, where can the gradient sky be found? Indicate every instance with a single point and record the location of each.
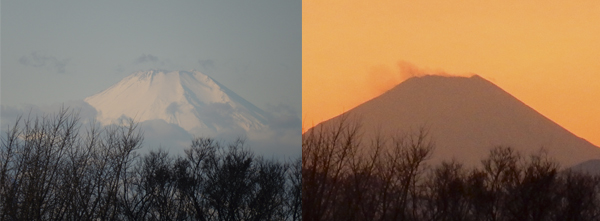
(56, 51)
(545, 53)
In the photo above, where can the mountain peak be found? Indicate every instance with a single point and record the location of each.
(466, 117)
(190, 99)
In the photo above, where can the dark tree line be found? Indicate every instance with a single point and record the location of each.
(50, 170)
(388, 179)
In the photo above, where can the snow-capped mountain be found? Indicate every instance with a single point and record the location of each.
(466, 117)
(190, 99)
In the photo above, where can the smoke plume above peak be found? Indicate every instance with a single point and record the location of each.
(382, 78)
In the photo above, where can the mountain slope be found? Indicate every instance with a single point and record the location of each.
(590, 166)
(466, 117)
(192, 100)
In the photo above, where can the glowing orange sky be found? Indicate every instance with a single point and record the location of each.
(545, 53)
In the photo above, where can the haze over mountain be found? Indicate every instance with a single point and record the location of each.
(173, 107)
(191, 100)
(465, 118)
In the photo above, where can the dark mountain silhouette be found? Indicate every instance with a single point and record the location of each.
(465, 118)
(590, 166)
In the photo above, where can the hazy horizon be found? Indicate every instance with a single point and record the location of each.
(68, 51)
(543, 53)
(56, 53)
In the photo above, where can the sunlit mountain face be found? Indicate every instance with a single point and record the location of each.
(189, 99)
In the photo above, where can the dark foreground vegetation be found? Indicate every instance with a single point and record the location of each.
(391, 181)
(49, 170)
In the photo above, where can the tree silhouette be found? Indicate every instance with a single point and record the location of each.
(52, 169)
(346, 178)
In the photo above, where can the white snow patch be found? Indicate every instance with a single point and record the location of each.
(192, 100)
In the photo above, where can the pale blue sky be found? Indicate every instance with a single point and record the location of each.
(57, 51)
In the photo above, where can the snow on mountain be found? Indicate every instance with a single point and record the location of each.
(465, 118)
(190, 99)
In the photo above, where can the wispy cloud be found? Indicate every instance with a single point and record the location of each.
(151, 59)
(207, 63)
(283, 136)
(144, 58)
(283, 117)
(382, 78)
(39, 60)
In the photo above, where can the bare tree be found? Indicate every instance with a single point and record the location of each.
(294, 193)
(51, 169)
(325, 152)
(447, 197)
(339, 182)
(345, 178)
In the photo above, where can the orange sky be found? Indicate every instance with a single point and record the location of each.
(545, 53)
